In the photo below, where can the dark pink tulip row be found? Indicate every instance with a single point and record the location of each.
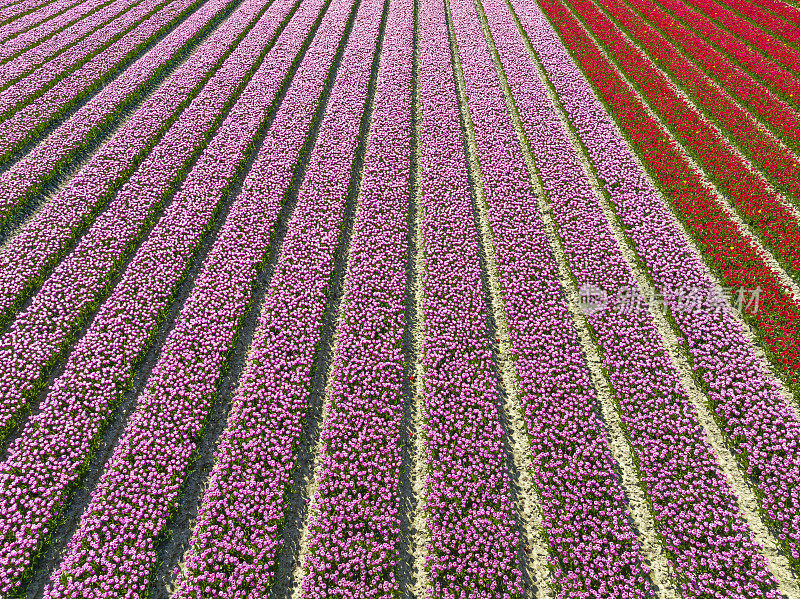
(23, 63)
(788, 29)
(27, 176)
(694, 508)
(760, 40)
(36, 115)
(20, 89)
(141, 483)
(70, 294)
(239, 521)
(353, 546)
(785, 84)
(52, 452)
(584, 518)
(763, 431)
(41, 23)
(14, 9)
(474, 539)
(783, 9)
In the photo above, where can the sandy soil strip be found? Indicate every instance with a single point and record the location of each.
(420, 534)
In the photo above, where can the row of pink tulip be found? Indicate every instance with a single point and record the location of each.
(246, 503)
(131, 506)
(25, 84)
(693, 506)
(585, 519)
(43, 111)
(763, 431)
(15, 9)
(475, 546)
(355, 536)
(27, 176)
(69, 296)
(40, 24)
(50, 454)
(27, 60)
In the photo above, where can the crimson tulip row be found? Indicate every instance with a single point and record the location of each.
(782, 9)
(585, 522)
(730, 254)
(694, 508)
(71, 293)
(769, 218)
(784, 28)
(23, 63)
(474, 536)
(760, 40)
(778, 163)
(354, 546)
(777, 78)
(49, 455)
(31, 82)
(44, 110)
(761, 429)
(174, 406)
(41, 24)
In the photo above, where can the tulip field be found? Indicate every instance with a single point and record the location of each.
(400, 299)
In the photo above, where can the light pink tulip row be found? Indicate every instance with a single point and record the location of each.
(14, 9)
(594, 549)
(354, 543)
(27, 176)
(44, 110)
(23, 62)
(24, 86)
(41, 23)
(131, 505)
(71, 293)
(240, 518)
(694, 508)
(51, 453)
(763, 431)
(474, 540)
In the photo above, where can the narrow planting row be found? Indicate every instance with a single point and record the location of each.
(357, 526)
(161, 438)
(41, 24)
(474, 538)
(72, 292)
(785, 29)
(26, 178)
(780, 164)
(761, 41)
(730, 253)
(70, 91)
(32, 82)
(585, 522)
(242, 514)
(15, 9)
(777, 78)
(762, 429)
(49, 455)
(27, 60)
(783, 9)
(694, 508)
(774, 223)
